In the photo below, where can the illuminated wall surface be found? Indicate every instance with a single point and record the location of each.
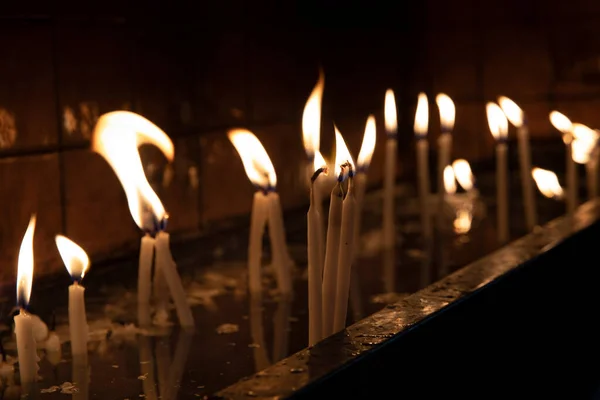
(198, 72)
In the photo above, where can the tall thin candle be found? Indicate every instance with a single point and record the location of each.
(389, 173)
(315, 268)
(447, 116)
(420, 128)
(26, 345)
(584, 151)
(499, 129)
(516, 116)
(564, 125)
(77, 263)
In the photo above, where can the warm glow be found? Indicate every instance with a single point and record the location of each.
(390, 113)
(561, 122)
(449, 180)
(257, 163)
(463, 174)
(319, 161)
(25, 265)
(462, 222)
(584, 142)
(547, 182)
(311, 118)
(342, 154)
(73, 256)
(422, 116)
(117, 137)
(368, 144)
(512, 111)
(447, 112)
(496, 121)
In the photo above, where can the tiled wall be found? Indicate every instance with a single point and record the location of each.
(254, 66)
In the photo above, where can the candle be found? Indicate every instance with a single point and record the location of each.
(116, 137)
(26, 345)
(166, 266)
(583, 148)
(517, 118)
(547, 183)
(265, 209)
(315, 268)
(77, 263)
(334, 226)
(499, 129)
(346, 247)
(447, 116)
(360, 178)
(391, 148)
(81, 377)
(420, 128)
(144, 278)
(564, 125)
(318, 188)
(464, 175)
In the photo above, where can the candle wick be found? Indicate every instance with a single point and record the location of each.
(317, 173)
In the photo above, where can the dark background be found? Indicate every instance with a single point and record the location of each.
(197, 69)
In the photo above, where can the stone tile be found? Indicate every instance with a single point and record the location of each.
(220, 86)
(30, 185)
(94, 74)
(27, 98)
(517, 63)
(97, 215)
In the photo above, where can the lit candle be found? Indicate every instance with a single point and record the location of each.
(266, 208)
(346, 249)
(517, 118)
(81, 377)
(116, 137)
(315, 266)
(564, 125)
(583, 148)
(360, 178)
(144, 278)
(334, 226)
(499, 129)
(464, 176)
(547, 183)
(26, 345)
(389, 174)
(420, 128)
(77, 263)
(447, 115)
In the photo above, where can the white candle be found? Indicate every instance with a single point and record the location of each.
(77, 263)
(564, 125)
(280, 257)
(345, 258)
(389, 173)
(499, 128)
(161, 288)
(258, 221)
(24, 323)
(420, 128)
(360, 183)
(330, 269)
(165, 263)
(81, 377)
(26, 348)
(144, 279)
(315, 262)
(516, 116)
(447, 114)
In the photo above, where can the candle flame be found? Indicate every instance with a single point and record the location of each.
(257, 163)
(449, 180)
(311, 118)
(25, 265)
(462, 222)
(496, 121)
(117, 137)
(561, 123)
(342, 154)
(447, 112)
(463, 174)
(320, 162)
(368, 144)
(421, 116)
(74, 257)
(512, 111)
(390, 113)
(584, 143)
(547, 182)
